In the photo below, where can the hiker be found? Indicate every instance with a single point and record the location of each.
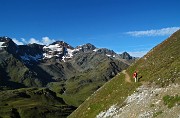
(135, 76)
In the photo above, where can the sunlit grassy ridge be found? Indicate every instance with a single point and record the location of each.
(161, 66)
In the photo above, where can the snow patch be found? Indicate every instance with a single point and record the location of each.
(30, 57)
(25, 57)
(55, 47)
(70, 53)
(108, 55)
(52, 50)
(63, 58)
(58, 51)
(95, 50)
(1, 45)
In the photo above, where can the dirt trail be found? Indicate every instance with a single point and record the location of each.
(127, 77)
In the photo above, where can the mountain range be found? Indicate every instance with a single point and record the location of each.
(57, 77)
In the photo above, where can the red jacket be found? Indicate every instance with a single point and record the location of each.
(134, 75)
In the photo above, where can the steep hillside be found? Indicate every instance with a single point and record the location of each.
(162, 64)
(14, 74)
(156, 93)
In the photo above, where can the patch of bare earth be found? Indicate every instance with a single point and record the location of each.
(127, 77)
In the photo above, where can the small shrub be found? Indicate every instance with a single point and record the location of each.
(157, 113)
(152, 105)
(170, 101)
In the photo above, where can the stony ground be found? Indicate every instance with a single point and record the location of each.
(146, 102)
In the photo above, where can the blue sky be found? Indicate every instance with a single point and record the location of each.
(134, 26)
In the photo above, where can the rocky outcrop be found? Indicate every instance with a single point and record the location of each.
(146, 102)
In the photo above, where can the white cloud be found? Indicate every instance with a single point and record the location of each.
(43, 41)
(138, 53)
(154, 32)
(33, 40)
(17, 42)
(24, 40)
(47, 40)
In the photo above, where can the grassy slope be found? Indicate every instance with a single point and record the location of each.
(14, 74)
(79, 88)
(113, 92)
(160, 66)
(32, 102)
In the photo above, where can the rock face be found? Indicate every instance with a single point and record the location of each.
(125, 55)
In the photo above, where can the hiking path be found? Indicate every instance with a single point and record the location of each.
(127, 77)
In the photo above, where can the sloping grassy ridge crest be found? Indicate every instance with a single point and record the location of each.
(160, 67)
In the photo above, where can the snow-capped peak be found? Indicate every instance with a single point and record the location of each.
(58, 49)
(1, 44)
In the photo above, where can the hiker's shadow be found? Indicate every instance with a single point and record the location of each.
(139, 78)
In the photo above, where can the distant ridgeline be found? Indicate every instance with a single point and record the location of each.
(69, 74)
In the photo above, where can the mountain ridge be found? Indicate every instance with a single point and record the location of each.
(57, 48)
(72, 73)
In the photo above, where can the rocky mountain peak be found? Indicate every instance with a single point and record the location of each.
(7, 41)
(9, 45)
(105, 51)
(125, 55)
(58, 50)
(62, 44)
(86, 47)
(4, 39)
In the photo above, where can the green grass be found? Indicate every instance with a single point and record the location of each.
(171, 101)
(113, 92)
(81, 86)
(83, 93)
(32, 102)
(157, 113)
(161, 66)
